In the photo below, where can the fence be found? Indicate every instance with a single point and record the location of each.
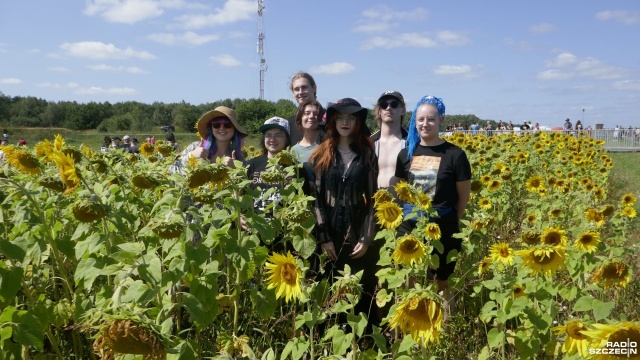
(614, 140)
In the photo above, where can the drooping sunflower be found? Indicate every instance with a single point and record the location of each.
(628, 199)
(146, 149)
(198, 177)
(484, 203)
(624, 332)
(476, 186)
(534, 183)
(432, 231)
(543, 259)
(86, 210)
(423, 200)
(285, 158)
(484, 264)
(628, 211)
(420, 316)
(22, 160)
(52, 182)
(518, 291)
(575, 339)
(124, 336)
(554, 237)
(43, 148)
(530, 238)
(404, 192)
(494, 185)
(607, 210)
(284, 276)
(587, 241)
(389, 215)
(613, 274)
(219, 175)
(409, 250)
(556, 212)
(226, 303)
(67, 169)
(501, 252)
(75, 154)
(144, 181)
(382, 196)
(164, 148)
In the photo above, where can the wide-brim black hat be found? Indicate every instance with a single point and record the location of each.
(349, 106)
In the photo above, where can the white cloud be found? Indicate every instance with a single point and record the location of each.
(554, 74)
(452, 69)
(562, 59)
(596, 69)
(417, 40)
(128, 69)
(60, 69)
(335, 68)
(225, 60)
(189, 38)
(99, 50)
(124, 11)
(10, 81)
(48, 85)
(543, 28)
(383, 18)
(95, 90)
(232, 11)
(621, 16)
(632, 85)
(451, 38)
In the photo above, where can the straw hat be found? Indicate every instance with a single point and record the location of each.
(220, 111)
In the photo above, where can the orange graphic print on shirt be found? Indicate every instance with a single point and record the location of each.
(424, 173)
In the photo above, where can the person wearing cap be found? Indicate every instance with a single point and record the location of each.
(135, 146)
(303, 87)
(308, 123)
(441, 170)
(391, 138)
(115, 143)
(126, 142)
(345, 179)
(222, 138)
(275, 138)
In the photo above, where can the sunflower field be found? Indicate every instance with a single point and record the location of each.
(116, 255)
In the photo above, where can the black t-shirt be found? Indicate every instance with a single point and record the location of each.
(435, 169)
(294, 133)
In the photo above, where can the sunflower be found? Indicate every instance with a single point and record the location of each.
(52, 182)
(146, 149)
(143, 181)
(87, 211)
(628, 211)
(554, 213)
(543, 259)
(607, 210)
(485, 179)
(478, 225)
(58, 142)
(476, 185)
(284, 276)
(21, 160)
(534, 183)
(409, 250)
(167, 229)
(613, 274)
(554, 237)
(87, 151)
(587, 241)
(423, 201)
(43, 148)
(124, 336)
(531, 218)
(404, 192)
(628, 199)
(286, 158)
(501, 252)
(389, 215)
(432, 231)
(625, 332)
(219, 175)
(67, 169)
(420, 316)
(382, 196)
(76, 154)
(494, 185)
(517, 291)
(484, 264)
(198, 177)
(226, 303)
(594, 216)
(530, 238)
(575, 340)
(164, 149)
(484, 203)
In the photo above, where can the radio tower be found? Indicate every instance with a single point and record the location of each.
(263, 64)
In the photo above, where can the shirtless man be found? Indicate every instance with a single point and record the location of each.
(390, 110)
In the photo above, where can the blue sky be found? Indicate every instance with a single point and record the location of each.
(542, 61)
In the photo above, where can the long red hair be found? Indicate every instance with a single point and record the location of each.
(323, 155)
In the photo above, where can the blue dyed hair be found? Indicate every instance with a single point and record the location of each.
(413, 139)
(209, 143)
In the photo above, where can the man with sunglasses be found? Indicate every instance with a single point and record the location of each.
(390, 139)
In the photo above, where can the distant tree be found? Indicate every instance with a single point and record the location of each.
(53, 115)
(5, 107)
(25, 111)
(253, 113)
(185, 116)
(285, 108)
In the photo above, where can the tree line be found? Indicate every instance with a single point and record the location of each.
(106, 117)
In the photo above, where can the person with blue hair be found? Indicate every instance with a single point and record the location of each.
(441, 170)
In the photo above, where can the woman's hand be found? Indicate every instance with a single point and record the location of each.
(329, 249)
(229, 160)
(243, 224)
(200, 153)
(359, 250)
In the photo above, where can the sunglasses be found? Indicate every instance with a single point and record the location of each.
(384, 105)
(226, 124)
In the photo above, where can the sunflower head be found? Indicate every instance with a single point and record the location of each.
(22, 160)
(285, 158)
(198, 177)
(530, 238)
(381, 196)
(554, 237)
(484, 203)
(219, 175)
(432, 231)
(476, 186)
(420, 315)
(628, 199)
(501, 252)
(575, 340)
(273, 175)
(494, 185)
(587, 241)
(284, 276)
(164, 149)
(543, 259)
(607, 210)
(405, 192)
(613, 274)
(484, 265)
(518, 291)
(389, 215)
(409, 251)
(146, 149)
(87, 210)
(534, 183)
(144, 181)
(52, 182)
(75, 154)
(167, 229)
(124, 336)
(628, 211)
(43, 148)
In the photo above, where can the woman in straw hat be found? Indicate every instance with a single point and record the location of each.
(222, 138)
(345, 169)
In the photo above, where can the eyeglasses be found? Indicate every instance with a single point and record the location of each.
(384, 105)
(274, 136)
(226, 124)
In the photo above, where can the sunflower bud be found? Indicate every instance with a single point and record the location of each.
(86, 210)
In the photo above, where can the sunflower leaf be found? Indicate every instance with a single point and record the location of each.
(601, 310)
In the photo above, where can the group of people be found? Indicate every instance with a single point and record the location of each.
(131, 144)
(344, 165)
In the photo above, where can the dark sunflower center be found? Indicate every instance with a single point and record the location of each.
(543, 259)
(288, 274)
(409, 246)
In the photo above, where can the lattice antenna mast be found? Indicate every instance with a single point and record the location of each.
(263, 64)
